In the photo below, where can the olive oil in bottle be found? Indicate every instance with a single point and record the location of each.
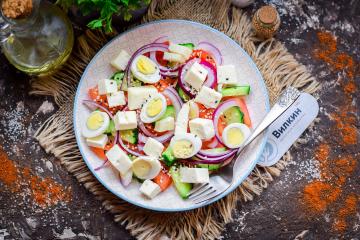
(37, 44)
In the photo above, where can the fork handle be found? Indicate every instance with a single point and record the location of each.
(287, 98)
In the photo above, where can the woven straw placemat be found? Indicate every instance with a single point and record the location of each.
(278, 67)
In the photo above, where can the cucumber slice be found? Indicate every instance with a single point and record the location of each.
(215, 150)
(183, 95)
(111, 128)
(136, 83)
(130, 136)
(233, 115)
(168, 157)
(188, 45)
(236, 91)
(182, 188)
(169, 112)
(210, 167)
(118, 77)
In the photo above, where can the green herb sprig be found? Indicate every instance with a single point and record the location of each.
(106, 9)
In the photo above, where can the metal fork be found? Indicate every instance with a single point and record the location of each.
(223, 179)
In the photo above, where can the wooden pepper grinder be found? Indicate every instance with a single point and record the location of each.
(266, 22)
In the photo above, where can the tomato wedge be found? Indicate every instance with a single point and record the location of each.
(221, 125)
(94, 95)
(160, 56)
(163, 180)
(99, 152)
(204, 112)
(203, 55)
(164, 83)
(244, 110)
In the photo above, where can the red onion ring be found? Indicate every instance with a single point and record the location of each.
(141, 146)
(213, 143)
(162, 138)
(215, 156)
(213, 50)
(217, 113)
(142, 138)
(174, 98)
(214, 160)
(102, 165)
(165, 71)
(182, 71)
(145, 130)
(211, 80)
(152, 47)
(161, 39)
(91, 102)
(128, 150)
(176, 94)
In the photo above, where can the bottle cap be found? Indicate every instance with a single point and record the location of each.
(267, 14)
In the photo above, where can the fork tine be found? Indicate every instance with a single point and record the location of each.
(210, 197)
(197, 188)
(204, 195)
(201, 192)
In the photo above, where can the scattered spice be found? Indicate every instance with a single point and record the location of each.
(17, 8)
(328, 192)
(44, 192)
(322, 155)
(8, 172)
(345, 124)
(349, 208)
(319, 195)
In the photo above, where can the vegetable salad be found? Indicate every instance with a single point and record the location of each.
(170, 115)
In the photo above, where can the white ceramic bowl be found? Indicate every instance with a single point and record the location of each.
(178, 31)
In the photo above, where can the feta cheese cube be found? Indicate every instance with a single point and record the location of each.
(226, 74)
(208, 97)
(176, 48)
(204, 128)
(166, 124)
(153, 147)
(138, 95)
(194, 175)
(196, 76)
(174, 57)
(119, 159)
(121, 60)
(116, 99)
(98, 142)
(150, 189)
(182, 120)
(106, 86)
(125, 120)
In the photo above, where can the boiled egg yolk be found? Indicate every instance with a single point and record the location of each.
(154, 107)
(145, 65)
(141, 168)
(182, 148)
(235, 137)
(95, 121)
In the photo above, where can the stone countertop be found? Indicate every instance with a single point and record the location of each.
(278, 213)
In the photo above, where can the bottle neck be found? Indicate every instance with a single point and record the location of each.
(5, 31)
(9, 26)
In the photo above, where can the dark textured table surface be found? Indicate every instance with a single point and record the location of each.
(280, 212)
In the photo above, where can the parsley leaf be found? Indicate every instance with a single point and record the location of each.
(106, 10)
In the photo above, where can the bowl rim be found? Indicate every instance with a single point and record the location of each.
(195, 206)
